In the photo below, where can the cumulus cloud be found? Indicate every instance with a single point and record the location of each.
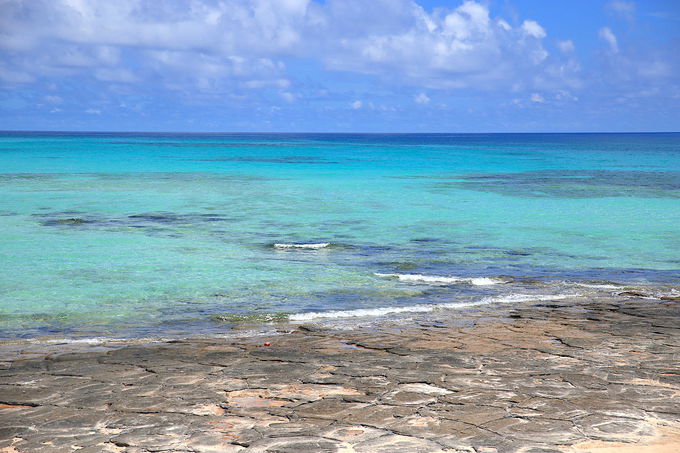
(144, 55)
(532, 28)
(210, 43)
(457, 48)
(609, 37)
(127, 40)
(504, 25)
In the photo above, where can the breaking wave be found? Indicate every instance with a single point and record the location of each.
(312, 246)
(439, 280)
(425, 308)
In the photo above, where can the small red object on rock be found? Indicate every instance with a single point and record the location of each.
(266, 343)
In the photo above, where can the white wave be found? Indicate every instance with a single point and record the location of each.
(361, 312)
(597, 285)
(313, 246)
(426, 308)
(650, 293)
(440, 280)
(509, 298)
(664, 292)
(72, 341)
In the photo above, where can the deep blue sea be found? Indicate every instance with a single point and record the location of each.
(138, 235)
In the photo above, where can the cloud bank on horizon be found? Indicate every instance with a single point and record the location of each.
(339, 65)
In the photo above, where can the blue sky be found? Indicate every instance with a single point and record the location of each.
(340, 65)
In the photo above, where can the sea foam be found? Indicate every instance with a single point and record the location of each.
(313, 246)
(440, 280)
(597, 285)
(425, 308)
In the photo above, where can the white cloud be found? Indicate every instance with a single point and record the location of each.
(609, 37)
(564, 95)
(422, 98)
(214, 72)
(458, 48)
(93, 111)
(560, 75)
(532, 28)
(356, 104)
(537, 98)
(566, 46)
(622, 8)
(504, 25)
(108, 39)
(214, 45)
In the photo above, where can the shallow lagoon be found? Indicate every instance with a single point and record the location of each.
(150, 234)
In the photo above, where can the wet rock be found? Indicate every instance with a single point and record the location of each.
(311, 328)
(670, 298)
(71, 221)
(544, 380)
(633, 294)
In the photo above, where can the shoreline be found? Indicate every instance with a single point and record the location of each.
(339, 321)
(596, 376)
(506, 291)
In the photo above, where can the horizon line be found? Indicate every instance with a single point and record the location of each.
(322, 133)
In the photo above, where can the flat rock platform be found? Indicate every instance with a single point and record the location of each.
(554, 377)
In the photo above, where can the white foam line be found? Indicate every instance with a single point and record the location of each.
(440, 280)
(314, 246)
(528, 297)
(373, 312)
(72, 340)
(597, 285)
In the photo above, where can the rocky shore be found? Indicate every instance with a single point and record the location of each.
(600, 377)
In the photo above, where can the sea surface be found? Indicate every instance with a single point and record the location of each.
(133, 235)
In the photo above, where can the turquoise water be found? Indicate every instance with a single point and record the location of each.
(136, 234)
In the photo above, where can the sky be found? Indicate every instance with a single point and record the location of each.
(340, 65)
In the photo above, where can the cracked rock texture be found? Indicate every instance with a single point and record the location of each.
(602, 377)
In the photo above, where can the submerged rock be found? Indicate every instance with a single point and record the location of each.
(70, 221)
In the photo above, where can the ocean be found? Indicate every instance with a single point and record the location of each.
(150, 235)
